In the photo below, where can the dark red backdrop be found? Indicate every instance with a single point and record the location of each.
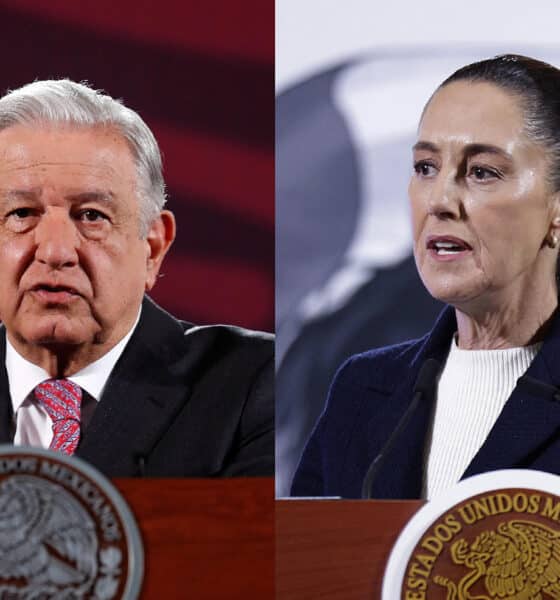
(202, 76)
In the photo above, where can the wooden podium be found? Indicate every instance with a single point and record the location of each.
(204, 538)
(336, 549)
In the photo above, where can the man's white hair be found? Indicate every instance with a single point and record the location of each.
(77, 104)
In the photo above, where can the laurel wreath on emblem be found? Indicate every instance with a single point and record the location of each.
(48, 544)
(106, 586)
(519, 561)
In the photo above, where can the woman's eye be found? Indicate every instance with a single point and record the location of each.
(483, 173)
(424, 169)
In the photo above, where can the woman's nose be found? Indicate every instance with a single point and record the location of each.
(445, 200)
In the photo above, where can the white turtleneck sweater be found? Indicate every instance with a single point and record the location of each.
(472, 391)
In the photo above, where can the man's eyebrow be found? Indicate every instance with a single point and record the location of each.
(105, 196)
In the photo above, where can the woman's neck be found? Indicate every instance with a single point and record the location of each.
(516, 322)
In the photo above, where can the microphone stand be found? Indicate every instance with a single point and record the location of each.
(424, 384)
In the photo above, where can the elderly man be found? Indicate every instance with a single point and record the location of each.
(88, 363)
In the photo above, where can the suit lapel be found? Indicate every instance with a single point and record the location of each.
(531, 416)
(6, 433)
(144, 393)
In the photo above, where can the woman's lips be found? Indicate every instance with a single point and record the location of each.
(446, 248)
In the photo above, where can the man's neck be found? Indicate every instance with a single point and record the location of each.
(62, 361)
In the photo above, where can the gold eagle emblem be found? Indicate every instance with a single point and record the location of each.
(520, 560)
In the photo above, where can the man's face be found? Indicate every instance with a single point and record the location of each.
(73, 268)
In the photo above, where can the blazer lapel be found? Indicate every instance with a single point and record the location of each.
(144, 393)
(402, 473)
(531, 417)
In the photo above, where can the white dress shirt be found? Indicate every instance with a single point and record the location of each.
(33, 426)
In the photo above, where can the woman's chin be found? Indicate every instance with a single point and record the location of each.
(455, 293)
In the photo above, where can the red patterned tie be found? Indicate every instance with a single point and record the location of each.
(61, 399)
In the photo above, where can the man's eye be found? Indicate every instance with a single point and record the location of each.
(20, 220)
(424, 168)
(20, 213)
(92, 215)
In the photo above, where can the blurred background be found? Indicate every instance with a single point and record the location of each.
(352, 79)
(202, 76)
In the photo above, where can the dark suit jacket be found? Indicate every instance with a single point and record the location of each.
(372, 390)
(181, 400)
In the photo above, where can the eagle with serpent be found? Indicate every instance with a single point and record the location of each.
(520, 560)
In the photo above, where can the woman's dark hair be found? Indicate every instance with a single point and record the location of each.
(537, 85)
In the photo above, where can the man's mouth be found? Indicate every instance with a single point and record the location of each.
(54, 293)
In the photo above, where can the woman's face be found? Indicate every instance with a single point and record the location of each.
(482, 209)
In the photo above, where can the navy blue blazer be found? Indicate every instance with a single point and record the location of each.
(370, 393)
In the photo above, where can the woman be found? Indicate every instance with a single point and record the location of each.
(485, 197)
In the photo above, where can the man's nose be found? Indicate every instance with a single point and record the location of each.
(446, 197)
(56, 239)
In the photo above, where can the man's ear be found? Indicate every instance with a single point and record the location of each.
(160, 237)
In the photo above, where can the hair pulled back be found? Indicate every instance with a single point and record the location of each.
(537, 86)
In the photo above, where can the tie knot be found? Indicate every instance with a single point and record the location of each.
(60, 398)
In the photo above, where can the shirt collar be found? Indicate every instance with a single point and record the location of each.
(24, 376)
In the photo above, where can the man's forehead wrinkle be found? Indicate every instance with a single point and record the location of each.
(66, 164)
(102, 180)
(105, 196)
(9, 193)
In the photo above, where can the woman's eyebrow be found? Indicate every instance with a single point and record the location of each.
(429, 146)
(473, 149)
(469, 150)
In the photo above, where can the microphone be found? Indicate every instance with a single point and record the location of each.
(423, 386)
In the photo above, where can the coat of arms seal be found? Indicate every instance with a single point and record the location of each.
(494, 536)
(65, 532)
